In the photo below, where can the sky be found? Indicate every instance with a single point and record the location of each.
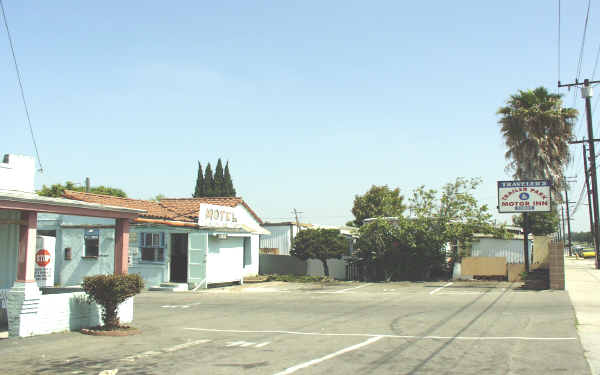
(311, 102)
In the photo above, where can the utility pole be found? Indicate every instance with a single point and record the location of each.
(586, 92)
(568, 218)
(296, 212)
(589, 197)
(562, 215)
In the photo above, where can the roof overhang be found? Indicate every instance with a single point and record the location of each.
(23, 201)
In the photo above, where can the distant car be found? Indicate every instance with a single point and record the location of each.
(588, 253)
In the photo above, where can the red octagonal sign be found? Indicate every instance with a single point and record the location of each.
(42, 257)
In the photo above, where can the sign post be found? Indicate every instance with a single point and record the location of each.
(524, 197)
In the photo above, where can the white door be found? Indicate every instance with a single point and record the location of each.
(197, 248)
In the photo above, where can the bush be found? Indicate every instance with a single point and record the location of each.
(109, 291)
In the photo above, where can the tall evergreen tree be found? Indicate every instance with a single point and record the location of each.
(219, 180)
(199, 192)
(209, 182)
(229, 189)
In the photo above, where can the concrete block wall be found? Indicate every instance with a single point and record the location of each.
(556, 263)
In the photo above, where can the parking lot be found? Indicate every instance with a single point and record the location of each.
(283, 328)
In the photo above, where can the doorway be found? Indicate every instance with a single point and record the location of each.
(179, 257)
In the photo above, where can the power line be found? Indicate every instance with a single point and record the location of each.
(580, 62)
(12, 50)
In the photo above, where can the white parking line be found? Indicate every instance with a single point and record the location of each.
(475, 338)
(343, 290)
(440, 288)
(292, 369)
(171, 349)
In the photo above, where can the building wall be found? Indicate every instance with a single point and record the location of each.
(9, 248)
(483, 266)
(278, 239)
(512, 250)
(153, 273)
(252, 268)
(72, 272)
(17, 172)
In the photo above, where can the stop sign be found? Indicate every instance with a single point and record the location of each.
(42, 257)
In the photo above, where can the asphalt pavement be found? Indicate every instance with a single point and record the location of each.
(360, 328)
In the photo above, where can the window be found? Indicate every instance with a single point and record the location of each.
(92, 242)
(152, 246)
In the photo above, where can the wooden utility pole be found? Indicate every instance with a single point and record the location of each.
(586, 92)
(296, 212)
(589, 197)
(568, 218)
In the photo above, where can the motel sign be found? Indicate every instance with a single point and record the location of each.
(524, 196)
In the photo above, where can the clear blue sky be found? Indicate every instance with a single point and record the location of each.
(311, 102)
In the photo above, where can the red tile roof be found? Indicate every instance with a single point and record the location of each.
(177, 209)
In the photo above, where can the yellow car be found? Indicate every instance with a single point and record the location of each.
(588, 253)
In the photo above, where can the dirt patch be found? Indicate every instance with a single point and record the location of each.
(101, 331)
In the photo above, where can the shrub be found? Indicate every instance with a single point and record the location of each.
(109, 291)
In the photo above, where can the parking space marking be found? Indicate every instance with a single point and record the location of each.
(343, 290)
(440, 288)
(293, 369)
(474, 338)
(245, 344)
(171, 349)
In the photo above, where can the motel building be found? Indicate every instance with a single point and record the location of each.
(175, 244)
(48, 245)
(30, 304)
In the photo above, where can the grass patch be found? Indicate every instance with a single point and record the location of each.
(299, 278)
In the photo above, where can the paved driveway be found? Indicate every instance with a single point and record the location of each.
(358, 328)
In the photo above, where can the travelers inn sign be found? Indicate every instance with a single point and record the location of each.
(524, 196)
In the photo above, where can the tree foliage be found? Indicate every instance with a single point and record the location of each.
(57, 190)
(540, 223)
(199, 190)
(537, 131)
(379, 201)
(455, 210)
(582, 237)
(218, 185)
(414, 247)
(321, 244)
(109, 291)
(209, 182)
(403, 249)
(219, 180)
(229, 189)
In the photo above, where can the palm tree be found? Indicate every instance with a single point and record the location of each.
(537, 131)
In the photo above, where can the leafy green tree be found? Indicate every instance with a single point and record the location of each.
(379, 201)
(209, 182)
(57, 190)
(582, 237)
(229, 189)
(199, 191)
(402, 249)
(540, 223)
(219, 180)
(321, 244)
(455, 210)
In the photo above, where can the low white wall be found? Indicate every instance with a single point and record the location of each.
(71, 312)
(337, 268)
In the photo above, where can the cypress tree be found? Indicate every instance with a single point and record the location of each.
(209, 182)
(199, 192)
(219, 180)
(229, 189)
